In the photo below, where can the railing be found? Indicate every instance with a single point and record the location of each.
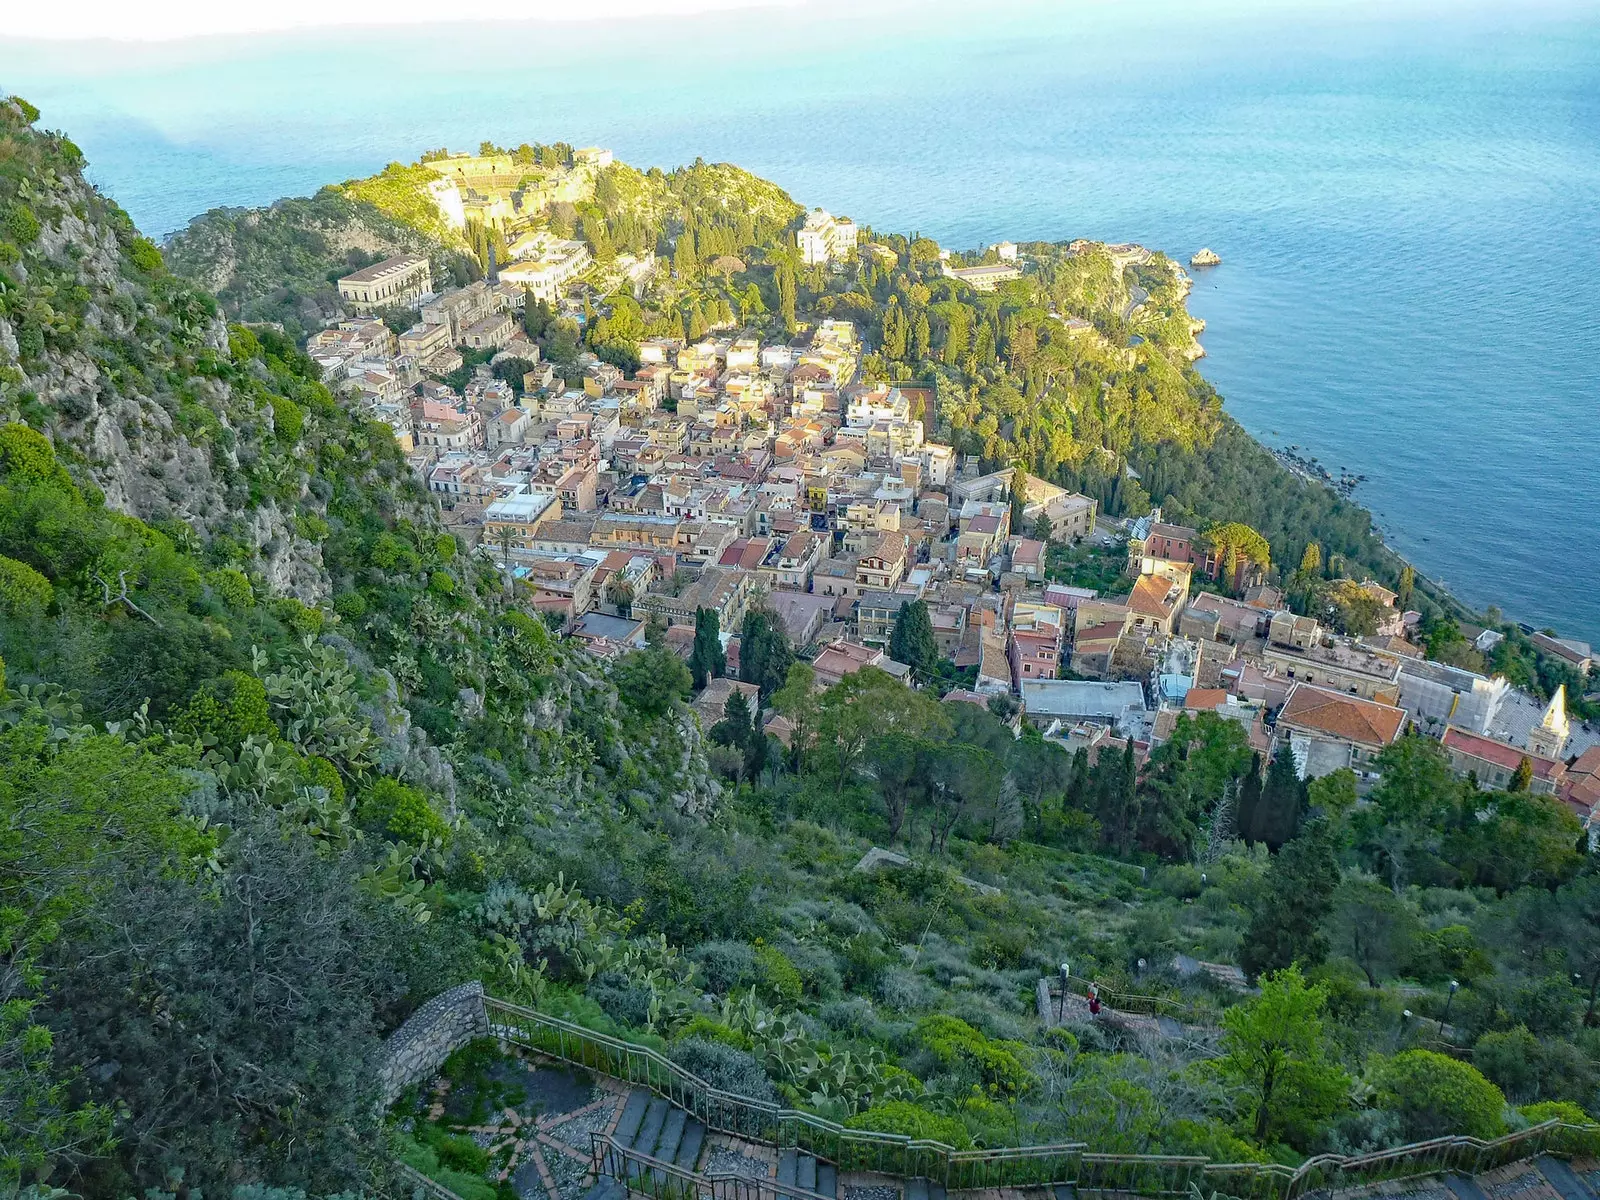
(661, 1180)
(1016, 1166)
(421, 1183)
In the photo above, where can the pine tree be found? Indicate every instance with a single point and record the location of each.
(912, 641)
(697, 323)
(920, 338)
(1522, 777)
(1408, 583)
(1311, 560)
(1077, 796)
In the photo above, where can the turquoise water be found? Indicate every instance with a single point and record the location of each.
(1406, 196)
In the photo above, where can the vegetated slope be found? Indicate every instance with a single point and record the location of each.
(279, 263)
(259, 715)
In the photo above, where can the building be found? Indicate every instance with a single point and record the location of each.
(876, 614)
(985, 278)
(397, 282)
(1119, 705)
(1493, 763)
(554, 264)
(489, 333)
(1341, 665)
(513, 523)
(1328, 730)
(825, 238)
(723, 590)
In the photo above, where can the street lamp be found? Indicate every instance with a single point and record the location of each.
(1061, 1010)
(1449, 1000)
(1405, 1017)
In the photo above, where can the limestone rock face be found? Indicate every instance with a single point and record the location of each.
(120, 365)
(1205, 258)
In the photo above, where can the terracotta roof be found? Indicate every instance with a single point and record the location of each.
(1205, 698)
(1342, 716)
(1501, 754)
(1149, 596)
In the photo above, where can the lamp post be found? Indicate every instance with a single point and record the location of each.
(1401, 1031)
(1449, 1000)
(1061, 1009)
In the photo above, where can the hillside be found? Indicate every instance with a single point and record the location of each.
(280, 760)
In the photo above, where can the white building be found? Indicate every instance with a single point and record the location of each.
(824, 237)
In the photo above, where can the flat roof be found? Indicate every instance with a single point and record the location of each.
(1080, 698)
(381, 270)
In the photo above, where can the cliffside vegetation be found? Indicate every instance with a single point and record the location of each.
(277, 766)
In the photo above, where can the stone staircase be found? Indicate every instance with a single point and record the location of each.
(652, 1125)
(805, 1171)
(1543, 1178)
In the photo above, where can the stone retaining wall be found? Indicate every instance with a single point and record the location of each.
(440, 1027)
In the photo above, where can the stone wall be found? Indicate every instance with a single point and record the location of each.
(435, 1031)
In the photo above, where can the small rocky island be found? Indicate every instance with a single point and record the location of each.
(1205, 258)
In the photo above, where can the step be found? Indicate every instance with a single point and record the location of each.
(1563, 1178)
(805, 1175)
(1065, 1191)
(935, 1190)
(606, 1189)
(671, 1136)
(917, 1189)
(694, 1139)
(827, 1179)
(788, 1163)
(1464, 1186)
(650, 1128)
(632, 1115)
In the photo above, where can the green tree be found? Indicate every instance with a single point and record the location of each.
(866, 704)
(1522, 777)
(1275, 1047)
(764, 652)
(912, 641)
(1276, 816)
(798, 702)
(707, 659)
(1437, 1096)
(649, 680)
(784, 278)
(1295, 897)
(1374, 928)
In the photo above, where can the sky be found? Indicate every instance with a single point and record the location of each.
(162, 20)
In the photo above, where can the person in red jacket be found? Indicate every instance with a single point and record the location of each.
(1094, 999)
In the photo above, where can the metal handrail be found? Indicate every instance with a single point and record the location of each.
(646, 1173)
(1015, 1166)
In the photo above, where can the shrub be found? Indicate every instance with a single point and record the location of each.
(225, 711)
(778, 976)
(233, 586)
(960, 1047)
(725, 965)
(22, 589)
(725, 1068)
(1434, 1095)
(402, 811)
(21, 224)
(145, 255)
(623, 1000)
(1511, 1060)
(713, 1031)
(913, 1121)
(1560, 1110)
(288, 420)
(351, 606)
(1181, 882)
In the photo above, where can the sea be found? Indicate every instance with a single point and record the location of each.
(1405, 195)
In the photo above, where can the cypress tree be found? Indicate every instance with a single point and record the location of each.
(707, 660)
(912, 641)
(1249, 801)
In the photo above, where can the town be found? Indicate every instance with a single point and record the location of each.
(729, 472)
